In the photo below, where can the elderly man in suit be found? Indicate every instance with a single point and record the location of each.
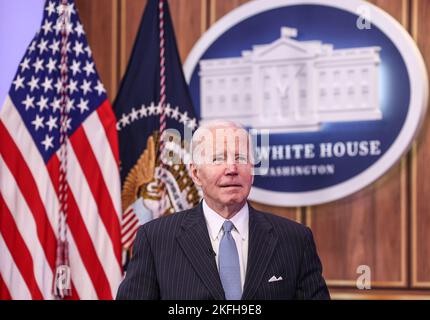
(223, 248)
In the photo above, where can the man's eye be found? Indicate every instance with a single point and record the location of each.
(218, 159)
(242, 159)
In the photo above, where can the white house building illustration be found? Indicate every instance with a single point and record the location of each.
(290, 85)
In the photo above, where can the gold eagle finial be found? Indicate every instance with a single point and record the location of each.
(142, 173)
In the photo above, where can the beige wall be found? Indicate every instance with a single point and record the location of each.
(383, 226)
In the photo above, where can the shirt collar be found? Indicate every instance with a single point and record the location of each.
(215, 221)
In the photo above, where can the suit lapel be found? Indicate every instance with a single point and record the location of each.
(262, 242)
(195, 242)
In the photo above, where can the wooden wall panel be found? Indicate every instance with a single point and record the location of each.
(369, 227)
(399, 9)
(131, 12)
(100, 21)
(219, 8)
(189, 21)
(378, 294)
(420, 164)
(290, 213)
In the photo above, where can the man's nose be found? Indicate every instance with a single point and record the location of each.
(231, 169)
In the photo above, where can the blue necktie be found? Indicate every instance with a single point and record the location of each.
(229, 267)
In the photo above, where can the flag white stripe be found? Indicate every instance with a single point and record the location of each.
(80, 277)
(127, 220)
(126, 237)
(98, 140)
(127, 243)
(91, 217)
(127, 213)
(135, 222)
(130, 238)
(34, 160)
(27, 228)
(11, 275)
(129, 233)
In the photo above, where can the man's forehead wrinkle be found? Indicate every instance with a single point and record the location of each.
(227, 141)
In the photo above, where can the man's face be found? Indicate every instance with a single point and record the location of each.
(222, 166)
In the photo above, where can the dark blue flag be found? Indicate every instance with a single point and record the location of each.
(153, 86)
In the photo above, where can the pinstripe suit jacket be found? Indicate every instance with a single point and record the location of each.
(173, 259)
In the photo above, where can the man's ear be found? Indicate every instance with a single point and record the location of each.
(195, 175)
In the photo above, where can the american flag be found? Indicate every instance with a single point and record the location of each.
(30, 167)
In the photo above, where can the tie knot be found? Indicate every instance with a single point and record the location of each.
(227, 226)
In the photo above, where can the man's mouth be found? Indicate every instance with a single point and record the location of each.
(230, 185)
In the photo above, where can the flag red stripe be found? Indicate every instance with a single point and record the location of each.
(126, 214)
(128, 237)
(94, 177)
(129, 241)
(134, 223)
(18, 249)
(126, 219)
(28, 186)
(74, 295)
(4, 291)
(108, 120)
(131, 236)
(82, 238)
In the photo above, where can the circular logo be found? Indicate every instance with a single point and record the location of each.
(338, 87)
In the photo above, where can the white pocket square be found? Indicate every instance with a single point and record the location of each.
(273, 279)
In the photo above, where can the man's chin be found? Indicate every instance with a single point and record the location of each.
(235, 201)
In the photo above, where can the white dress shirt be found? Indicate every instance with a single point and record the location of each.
(214, 222)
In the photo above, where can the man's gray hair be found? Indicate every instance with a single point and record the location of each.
(217, 124)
